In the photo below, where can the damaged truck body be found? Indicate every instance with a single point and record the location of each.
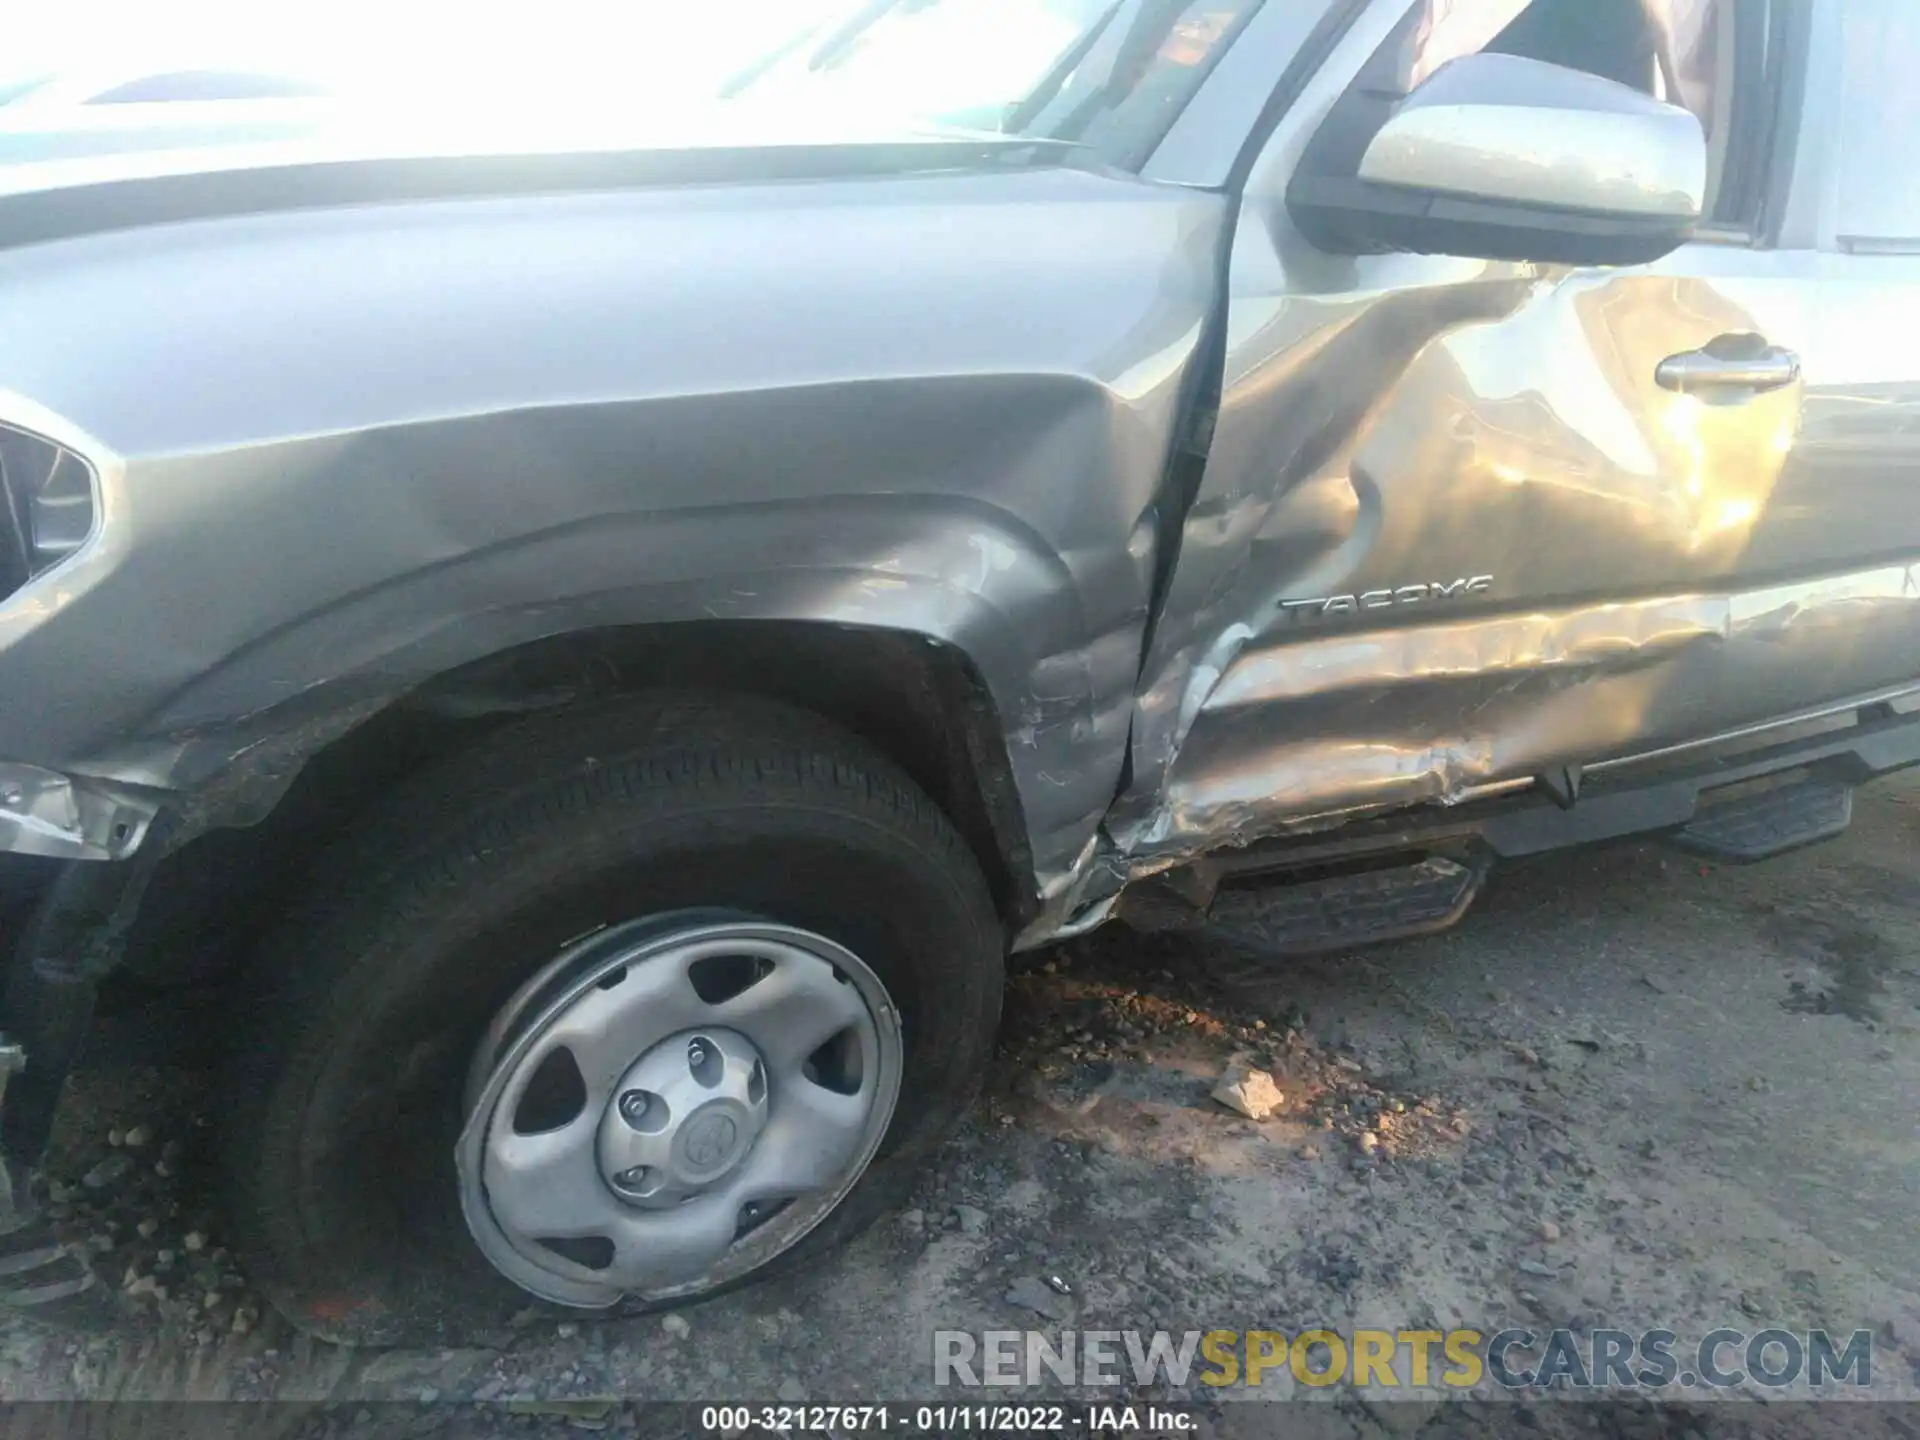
(604, 647)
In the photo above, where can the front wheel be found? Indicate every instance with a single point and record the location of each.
(632, 1006)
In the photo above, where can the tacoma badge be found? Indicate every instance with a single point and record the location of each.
(1326, 606)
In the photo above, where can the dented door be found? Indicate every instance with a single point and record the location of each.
(1465, 523)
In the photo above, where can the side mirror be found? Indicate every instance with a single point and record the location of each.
(1498, 157)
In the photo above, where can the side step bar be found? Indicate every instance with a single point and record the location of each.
(1418, 871)
(1765, 823)
(1323, 912)
(1329, 912)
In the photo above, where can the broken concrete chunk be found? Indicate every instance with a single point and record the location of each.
(1248, 1092)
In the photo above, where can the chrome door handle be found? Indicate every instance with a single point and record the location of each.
(1756, 370)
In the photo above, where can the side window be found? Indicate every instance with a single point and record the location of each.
(1879, 126)
(1712, 56)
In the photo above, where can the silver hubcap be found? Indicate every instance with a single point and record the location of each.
(667, 1107)
(688, 1112)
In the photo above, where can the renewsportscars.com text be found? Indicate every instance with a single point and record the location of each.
(1515, 1359)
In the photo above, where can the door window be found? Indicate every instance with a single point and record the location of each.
(1879, 125)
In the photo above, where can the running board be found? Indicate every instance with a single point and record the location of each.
(1765, 823)
(1322, 912)
(1415, 871)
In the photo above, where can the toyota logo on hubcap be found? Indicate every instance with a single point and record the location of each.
(710, 1140)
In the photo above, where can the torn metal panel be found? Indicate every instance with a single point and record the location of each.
(63, 818)
(1376, 720)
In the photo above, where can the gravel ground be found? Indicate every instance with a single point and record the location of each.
(1631, 1090)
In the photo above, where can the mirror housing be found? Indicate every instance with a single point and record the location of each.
(1498, 157)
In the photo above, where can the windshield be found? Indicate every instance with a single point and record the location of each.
(1109, 73)
(964, 61)
(1112, 73)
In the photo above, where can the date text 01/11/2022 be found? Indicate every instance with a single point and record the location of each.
(942, 1419)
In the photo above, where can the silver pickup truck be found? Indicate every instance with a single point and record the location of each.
(605, 641)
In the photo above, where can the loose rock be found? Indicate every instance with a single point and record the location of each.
(973, 1220)
(110, 1171)
(1032, 1294)
(792, 1391)
(676, 1326)
(139, 1137)
(1249, 1092)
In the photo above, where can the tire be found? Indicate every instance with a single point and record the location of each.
(361, 1015)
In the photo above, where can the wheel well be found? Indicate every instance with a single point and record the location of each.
(918, 701)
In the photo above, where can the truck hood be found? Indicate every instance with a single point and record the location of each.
(85, 147)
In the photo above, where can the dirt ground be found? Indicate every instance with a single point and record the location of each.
(1632, 1090)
